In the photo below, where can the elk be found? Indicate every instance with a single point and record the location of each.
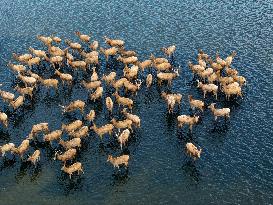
(97, 94)
(196, 103)
(230, 58)
(122, 124)
(50, 83)
(149, 80)
(94, 45)
(73, 143)
(117, 161)
(22, 58)
(55, 51)
(109, 52)
(163, 67)
(41, 127)
(78, 64)
(76, 167)
(110, 78)
(7, 96)
(231, 72)
(118, 84)
(94, 76)
(72, 126)
(33, 61)
(196, 68)
(123, 101)
(17, 102)
(144, 64)
(91, 85)
(192, 150)
(167, 77)
(25, 91)
(208, 88)
(38, 53)
(186, 119)
(132, 87)
(4, 119)
(82, 132)
(169, 50)
(126, 53)
(35, 157)
(128, 60)
(123, 137)
(67, 155)
(114, 42)
(55, 135)
(240, 79)
(9, 147)
(108, 128)
(46, 40)
(170, 100)
(232, 89)
(55, 60)
(22, 148)
(65, 77)
(130, 73)
(83, 37)
(77, 104)
(73, 45)
(91, 116)
(27, 80)
(158, 60)
(224, 112)
(109, 104)
(17, 68)
(134, 118)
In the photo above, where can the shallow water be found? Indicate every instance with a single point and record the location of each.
(236, 164)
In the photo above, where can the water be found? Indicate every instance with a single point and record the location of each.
(236, 165)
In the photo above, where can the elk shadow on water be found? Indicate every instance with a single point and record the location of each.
(190, 169)
(70, 185)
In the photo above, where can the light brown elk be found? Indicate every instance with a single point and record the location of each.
(123, 124)
(76, 167)
(149, 80)
(91, 85)
(73, 143)
(9, 147)
(123, 137)
(41, 127)
(223, 112)
(77, 104)
(97, 94)
(117, 161)
(72, 126)
(167, 77)
(108, 128)
(192, 151)
(55, 135)
(109, 52)
(109, 104)
(83, 37)
(22, 148)
(91, 116)
(35, 157)
(124, 101)
(81, 133)
(196, 103)
(114, 42)
(208, 88)
(25, 91)
(67, 155)
(17, 68)
(186, 119)
(110, 78)
(65, 77)
(4, 119)
(18, 102)
(169, 51)
(134, 118)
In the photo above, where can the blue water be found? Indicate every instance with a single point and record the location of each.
(236, 164)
